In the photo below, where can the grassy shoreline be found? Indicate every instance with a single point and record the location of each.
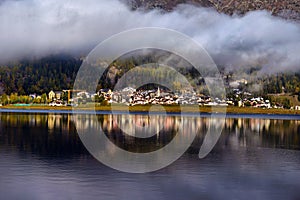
(169, 109)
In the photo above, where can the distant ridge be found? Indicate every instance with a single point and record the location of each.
(288, 9)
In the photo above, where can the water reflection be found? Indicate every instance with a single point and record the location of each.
(44, 134)
(42, 157)
(56, 133)
(271, 133)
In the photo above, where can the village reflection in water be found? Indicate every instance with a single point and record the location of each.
(57, 134)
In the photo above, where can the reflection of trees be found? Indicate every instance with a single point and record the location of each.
(124, 130)
(55, 134)
(263, 132)
(45, 134)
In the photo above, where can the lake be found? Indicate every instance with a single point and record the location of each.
(42, 157)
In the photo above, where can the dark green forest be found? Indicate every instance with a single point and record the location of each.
(59, 72)
(39, 76)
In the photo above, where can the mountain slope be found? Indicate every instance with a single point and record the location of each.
(285, 8)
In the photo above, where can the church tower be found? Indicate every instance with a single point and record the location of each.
(158, 92)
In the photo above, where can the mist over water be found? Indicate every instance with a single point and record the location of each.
(32, 28)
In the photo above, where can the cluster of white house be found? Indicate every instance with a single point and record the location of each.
(131, 96)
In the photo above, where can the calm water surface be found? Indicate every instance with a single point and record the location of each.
(42, 157)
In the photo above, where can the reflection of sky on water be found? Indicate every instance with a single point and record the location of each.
(244, 174)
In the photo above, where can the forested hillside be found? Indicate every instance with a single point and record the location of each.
(59, 72)
(39, 76)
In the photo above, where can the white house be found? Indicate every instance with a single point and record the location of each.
(51, 95)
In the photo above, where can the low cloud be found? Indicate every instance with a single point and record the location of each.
(33, 28)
